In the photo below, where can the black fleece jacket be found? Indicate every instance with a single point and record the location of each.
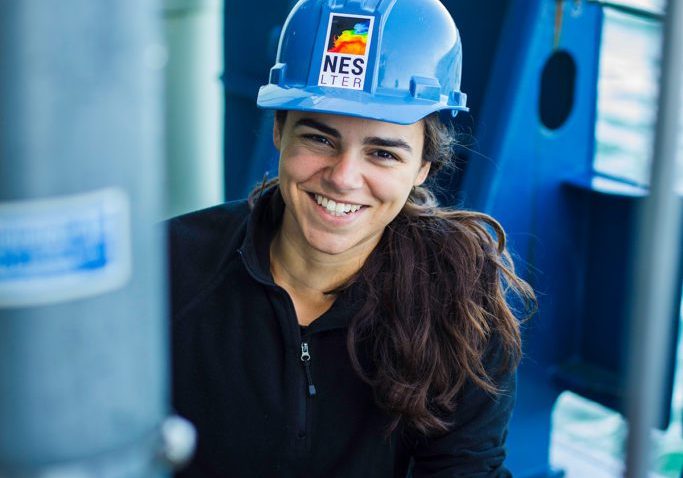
(262, 411)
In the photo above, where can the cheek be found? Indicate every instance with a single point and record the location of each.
(299, 166)
(392, 188)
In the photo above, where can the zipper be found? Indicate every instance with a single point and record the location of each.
(303, 441)
(302, 424)
(306, 359)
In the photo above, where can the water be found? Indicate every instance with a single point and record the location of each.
(627, 92)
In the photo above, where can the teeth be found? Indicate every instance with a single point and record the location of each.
(336, 208)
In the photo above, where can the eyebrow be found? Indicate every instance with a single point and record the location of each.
(311, 123)
(387, 143)
(371, 141)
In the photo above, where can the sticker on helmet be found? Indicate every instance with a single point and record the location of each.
(345, 59)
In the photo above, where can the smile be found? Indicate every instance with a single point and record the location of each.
(336, 208)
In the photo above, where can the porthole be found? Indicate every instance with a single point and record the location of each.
(558, 83)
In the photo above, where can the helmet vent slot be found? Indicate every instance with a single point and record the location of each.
(425, 88)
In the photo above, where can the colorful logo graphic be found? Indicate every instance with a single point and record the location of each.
(345, 60)
(348, 35)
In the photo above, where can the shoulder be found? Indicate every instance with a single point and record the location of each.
(199, 245)
(207, 222)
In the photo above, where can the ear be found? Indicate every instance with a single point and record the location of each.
(277, 135)
(422, 173)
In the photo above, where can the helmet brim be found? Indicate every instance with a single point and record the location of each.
(389, 108)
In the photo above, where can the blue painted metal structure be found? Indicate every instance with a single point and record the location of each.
(570, 228)
(520, 183)
(530, 69)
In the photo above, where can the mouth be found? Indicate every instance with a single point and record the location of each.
(336, 208)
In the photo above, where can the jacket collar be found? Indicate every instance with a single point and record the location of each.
(262, 225)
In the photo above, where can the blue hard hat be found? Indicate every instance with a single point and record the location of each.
(388, 60)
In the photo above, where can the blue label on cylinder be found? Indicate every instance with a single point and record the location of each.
(63, 248)
(29, 251)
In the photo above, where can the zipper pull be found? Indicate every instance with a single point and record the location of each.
(306, 359)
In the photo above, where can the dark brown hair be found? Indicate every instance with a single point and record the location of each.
(436, 290)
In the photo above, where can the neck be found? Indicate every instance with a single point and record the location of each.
(309, 272)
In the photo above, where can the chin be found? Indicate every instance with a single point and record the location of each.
(331, 249)
(329, 245)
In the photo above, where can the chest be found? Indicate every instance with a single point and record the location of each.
(238, 375)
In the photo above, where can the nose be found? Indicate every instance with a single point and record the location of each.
(344, 174)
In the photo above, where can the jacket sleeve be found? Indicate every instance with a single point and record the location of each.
(474, 447)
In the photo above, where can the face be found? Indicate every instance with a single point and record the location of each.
(344, 179)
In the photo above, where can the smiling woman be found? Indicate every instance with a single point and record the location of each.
(340, 323)
(367, 165)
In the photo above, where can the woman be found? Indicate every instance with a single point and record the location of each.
(340, 324)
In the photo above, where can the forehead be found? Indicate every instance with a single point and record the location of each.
(349, 126)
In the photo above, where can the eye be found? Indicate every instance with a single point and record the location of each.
(316, 138)
(385, 155)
